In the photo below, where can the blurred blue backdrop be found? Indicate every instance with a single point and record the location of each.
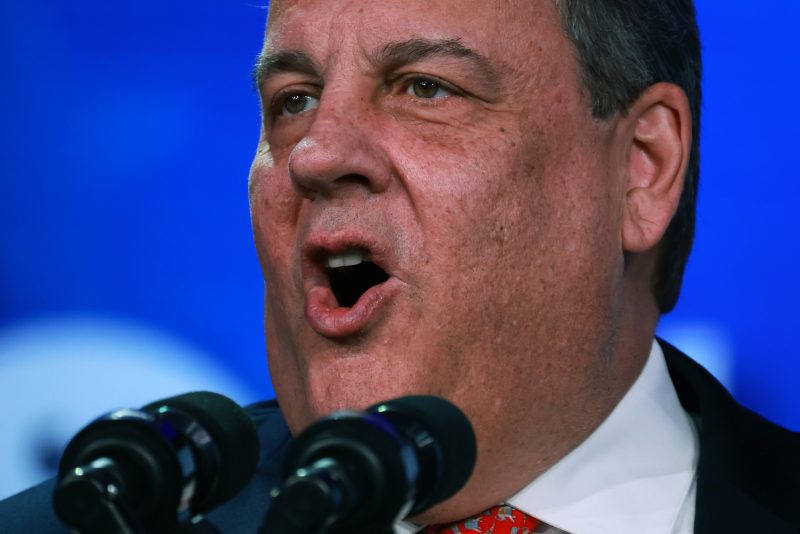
(126, 262)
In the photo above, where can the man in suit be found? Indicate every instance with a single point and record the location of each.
(493, 201)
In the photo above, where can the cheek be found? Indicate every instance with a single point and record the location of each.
(450, 174)
(511, 220)
(473, 196)
(274, 208)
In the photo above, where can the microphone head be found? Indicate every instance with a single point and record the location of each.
(364, 470)
(158, 466)
(447, 453)
(234, 436)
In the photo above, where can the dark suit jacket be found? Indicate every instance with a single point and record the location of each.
(748, 473)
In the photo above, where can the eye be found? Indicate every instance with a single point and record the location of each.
(429, 89)
(298, 103)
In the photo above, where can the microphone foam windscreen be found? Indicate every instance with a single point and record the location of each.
(451, 429)
(233, 433)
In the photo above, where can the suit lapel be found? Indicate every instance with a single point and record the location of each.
(748, 475)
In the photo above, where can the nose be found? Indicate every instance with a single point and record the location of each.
(340, 151)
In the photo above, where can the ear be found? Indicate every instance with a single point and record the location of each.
(658, 138)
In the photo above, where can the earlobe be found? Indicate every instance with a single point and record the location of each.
(658, 139)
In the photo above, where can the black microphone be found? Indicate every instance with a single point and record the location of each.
(158, 468)
(359, 472)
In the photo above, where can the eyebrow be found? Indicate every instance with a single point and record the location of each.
(396, 54)
(387, 58)
(271, 63)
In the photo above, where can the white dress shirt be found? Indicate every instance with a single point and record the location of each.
(634, 474)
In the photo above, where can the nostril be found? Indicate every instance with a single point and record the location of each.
(355, 180)
(310, 189)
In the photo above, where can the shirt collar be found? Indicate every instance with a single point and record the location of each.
(632, 474)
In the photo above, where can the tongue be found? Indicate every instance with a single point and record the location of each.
(349, 283)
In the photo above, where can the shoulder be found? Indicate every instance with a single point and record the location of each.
(749, 468)
(31, 511)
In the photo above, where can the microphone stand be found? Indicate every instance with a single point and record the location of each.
(277, 522)
(92, 499)
(89, 500)
(305, 507)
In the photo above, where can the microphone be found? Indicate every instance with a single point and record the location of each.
(359, 472)
(158, 468)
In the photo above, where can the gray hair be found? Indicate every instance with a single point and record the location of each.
(624, 47)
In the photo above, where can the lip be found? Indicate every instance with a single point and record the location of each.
(321, 308)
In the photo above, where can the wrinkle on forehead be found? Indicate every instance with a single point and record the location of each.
(310, 26)
(477, 24)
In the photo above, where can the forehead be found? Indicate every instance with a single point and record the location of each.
(507, 30)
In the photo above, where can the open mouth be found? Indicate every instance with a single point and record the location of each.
(348, 286)
(351, 274)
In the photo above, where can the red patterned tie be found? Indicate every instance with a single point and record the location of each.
(496, 520)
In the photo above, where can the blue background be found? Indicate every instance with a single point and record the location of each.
(126, 133)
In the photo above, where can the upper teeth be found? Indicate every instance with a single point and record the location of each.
(348, 258)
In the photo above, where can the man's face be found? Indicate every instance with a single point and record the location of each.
(450, 144)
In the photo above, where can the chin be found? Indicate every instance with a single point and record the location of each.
(354, 384)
